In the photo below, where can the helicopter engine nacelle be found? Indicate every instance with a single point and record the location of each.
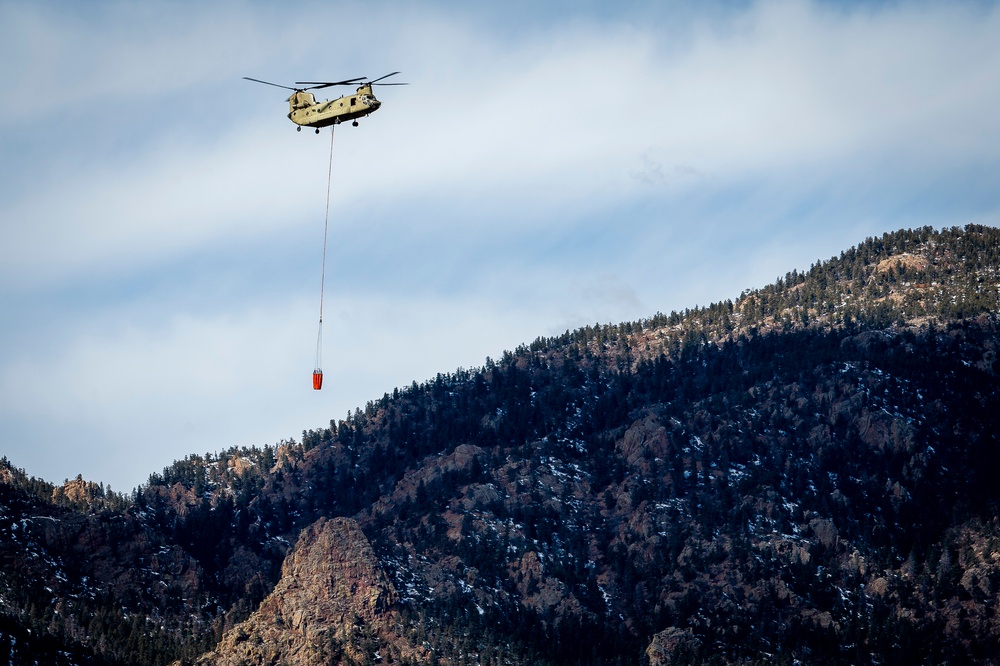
(300, 100)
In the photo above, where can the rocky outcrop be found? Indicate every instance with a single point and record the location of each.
(332, 605)
(672, 645)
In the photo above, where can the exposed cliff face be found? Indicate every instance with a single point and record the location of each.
(332, 605)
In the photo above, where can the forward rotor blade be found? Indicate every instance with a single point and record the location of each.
(268, 83)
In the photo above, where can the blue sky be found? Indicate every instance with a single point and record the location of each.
(551, 165)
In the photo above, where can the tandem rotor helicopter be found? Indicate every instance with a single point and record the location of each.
(305, 111)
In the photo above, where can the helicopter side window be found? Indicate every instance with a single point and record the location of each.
(354, 100)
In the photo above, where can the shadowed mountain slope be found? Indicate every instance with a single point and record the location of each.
(807, 473)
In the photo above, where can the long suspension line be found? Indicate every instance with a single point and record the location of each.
(318, 372)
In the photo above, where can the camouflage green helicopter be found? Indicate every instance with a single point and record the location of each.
(305, 111)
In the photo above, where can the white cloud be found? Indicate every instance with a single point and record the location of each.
(557, 125)
(181, 195)
(532, 178)
(130, 392)
(115, 55)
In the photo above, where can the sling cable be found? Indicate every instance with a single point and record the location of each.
(318, 372)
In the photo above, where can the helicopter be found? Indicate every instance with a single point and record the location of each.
(305, 111)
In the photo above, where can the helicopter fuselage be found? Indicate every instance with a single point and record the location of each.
(306, 111)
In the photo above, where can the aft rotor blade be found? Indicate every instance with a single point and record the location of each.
(276, 85)
(385, 77)
(326, 84)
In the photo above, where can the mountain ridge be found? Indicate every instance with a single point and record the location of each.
(749, 481)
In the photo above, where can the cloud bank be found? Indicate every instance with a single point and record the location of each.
(161, 220)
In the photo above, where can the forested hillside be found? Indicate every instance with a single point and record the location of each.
(806, 473)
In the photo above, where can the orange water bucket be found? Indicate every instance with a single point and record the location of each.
(317, 379)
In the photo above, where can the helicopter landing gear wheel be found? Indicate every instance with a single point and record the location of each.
(355, 123)
(317, 130)
(298, 129)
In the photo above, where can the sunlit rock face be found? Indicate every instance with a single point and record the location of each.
(332, 604)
